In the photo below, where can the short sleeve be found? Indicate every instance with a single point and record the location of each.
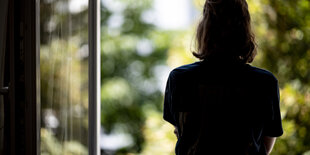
(273, 126)
(168, 100)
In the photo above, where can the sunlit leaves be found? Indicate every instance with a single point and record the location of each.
(181, 48)
(131, 49)
(52, 146)
(158, 134)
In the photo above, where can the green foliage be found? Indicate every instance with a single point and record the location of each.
(287, 49)
(51, 146)
(128, 78)
(283, 31)
(63, 79)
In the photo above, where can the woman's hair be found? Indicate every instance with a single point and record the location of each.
(225, 31)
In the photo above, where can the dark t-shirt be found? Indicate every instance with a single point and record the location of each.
(222, 108)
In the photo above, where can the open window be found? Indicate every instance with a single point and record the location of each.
(69, 79)
(49, 81)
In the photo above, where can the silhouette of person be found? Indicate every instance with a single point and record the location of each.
(221, 105)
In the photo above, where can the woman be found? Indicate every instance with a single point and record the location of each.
(221, 105)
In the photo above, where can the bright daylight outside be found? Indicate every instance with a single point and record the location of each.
(141, 42)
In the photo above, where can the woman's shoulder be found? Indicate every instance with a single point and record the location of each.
(186, 69)
(262, 73)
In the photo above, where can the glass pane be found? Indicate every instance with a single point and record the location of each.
(64, 76)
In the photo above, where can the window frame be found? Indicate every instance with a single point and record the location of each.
(94, 77)
(25, 41)
(23, 108)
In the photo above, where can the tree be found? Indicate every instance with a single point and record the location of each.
(286, 52)
(132, 53)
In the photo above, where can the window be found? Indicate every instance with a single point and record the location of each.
(68, 76)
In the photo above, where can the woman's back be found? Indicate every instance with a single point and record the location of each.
(222, 108)
(221, 105)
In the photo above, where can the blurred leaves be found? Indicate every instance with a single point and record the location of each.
(63, 78)
(131, 50)
(158, 136)
(290, 42)
(52, 146)
(282, 31)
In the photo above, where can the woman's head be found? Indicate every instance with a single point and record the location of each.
(225, 31)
